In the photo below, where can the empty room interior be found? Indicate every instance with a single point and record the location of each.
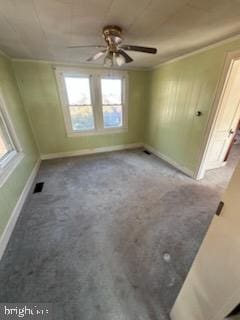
(120, 159)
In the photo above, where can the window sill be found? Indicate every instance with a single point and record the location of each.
(96, 132)
(8, 169)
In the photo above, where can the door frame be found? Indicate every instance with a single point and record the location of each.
(230, 58)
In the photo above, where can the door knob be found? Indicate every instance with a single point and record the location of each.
(231, 131)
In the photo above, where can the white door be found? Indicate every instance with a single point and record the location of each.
(212, 288)
(226, 121)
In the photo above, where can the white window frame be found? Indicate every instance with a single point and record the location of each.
(9, 162)
(95, 76)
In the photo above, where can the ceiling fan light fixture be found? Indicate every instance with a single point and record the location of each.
(108, 60)
(120, 60)
(114, 50)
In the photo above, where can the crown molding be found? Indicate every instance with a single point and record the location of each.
(5, 55)
(194, 52)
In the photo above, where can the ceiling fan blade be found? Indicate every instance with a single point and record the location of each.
(97, 55)
(128, 59)
(138, 48)
(87, 46)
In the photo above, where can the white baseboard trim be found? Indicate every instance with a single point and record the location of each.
(170, 161)
(16, 211)
(90, 151)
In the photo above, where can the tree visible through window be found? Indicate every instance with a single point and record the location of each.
(79, 99)
(93, 102)
(112, 102)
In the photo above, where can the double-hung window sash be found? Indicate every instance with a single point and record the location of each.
(7, 148)
(93, 102)
(80, 104)
(112, 102)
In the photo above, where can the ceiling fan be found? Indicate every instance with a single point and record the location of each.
(114, 50)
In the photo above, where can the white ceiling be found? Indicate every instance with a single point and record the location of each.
(42, 29)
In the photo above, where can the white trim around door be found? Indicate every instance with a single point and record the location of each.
(231, 57)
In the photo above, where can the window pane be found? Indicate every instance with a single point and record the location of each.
(5, 143)
(3, 149)
(82, 118)
(111, 91)
(78, 90)
(112, 116)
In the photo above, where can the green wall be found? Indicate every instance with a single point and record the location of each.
(162, 106)
(177, 91)
(39, 92)
(12, 188)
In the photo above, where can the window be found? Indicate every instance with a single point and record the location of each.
(79, 101)
(93, 102)
(111, 102)
(10, 154)
(7, 147)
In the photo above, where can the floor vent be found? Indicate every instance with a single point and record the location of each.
(146, 151)
(38, 187)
